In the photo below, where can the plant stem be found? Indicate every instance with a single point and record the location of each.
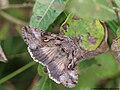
(17, 72)
(12, 19)
(16, 6)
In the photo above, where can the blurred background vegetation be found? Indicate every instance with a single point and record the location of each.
(13, 15)
(20, 72)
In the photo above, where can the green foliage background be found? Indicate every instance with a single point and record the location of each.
(22, 73)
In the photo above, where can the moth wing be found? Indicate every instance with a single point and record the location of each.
(32, 36)
(56, 65)
(53, 57)
(49, 57)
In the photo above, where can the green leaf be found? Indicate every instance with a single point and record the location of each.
(91, 31)
(118, 32)
(44, 84)
(45, 12)
(106, 67)
(15, 42)
(4, 31)
(98, 9)
(40, 70)
(112, 25)
(3, 88)
(118, 3)
(55, 26)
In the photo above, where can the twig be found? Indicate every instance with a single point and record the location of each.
(18, 55)
(12, 19)
(16, 6)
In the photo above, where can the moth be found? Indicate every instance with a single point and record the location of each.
(59, 53)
